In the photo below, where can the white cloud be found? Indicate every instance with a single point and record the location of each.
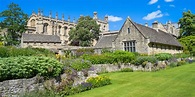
(158, 6)
(152, 2)
(153, 15)
(169, 0)
(112, 18)
(172, 5)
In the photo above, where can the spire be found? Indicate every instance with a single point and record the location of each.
(62, 16)
(74, 20)
(39, 12)
(56, 15)
(50, 14)
(68, 18)
(33, 12)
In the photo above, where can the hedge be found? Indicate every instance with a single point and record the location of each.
(110, 57)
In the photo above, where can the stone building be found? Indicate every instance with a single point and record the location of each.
(139, 38)
(49, 29)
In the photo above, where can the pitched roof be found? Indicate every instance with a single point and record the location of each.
(158, 36)
(105, 41)
(40, 38)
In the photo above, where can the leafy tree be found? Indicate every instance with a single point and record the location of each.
(85, 32)
(14, 19)
(188, 43)
(187, 23)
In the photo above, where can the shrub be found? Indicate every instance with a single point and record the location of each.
(80, 52)
(163, 56)
(98, 59)
(26, 67)
(126, 70)
(141, 59)
(181, 55)
(173, 64)
(121, 56)
(4, 51)
(9, 51)
(110, 57)
(99, 81)
(80, 64)
(181, 63)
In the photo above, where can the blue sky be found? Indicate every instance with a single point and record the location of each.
(140, 11)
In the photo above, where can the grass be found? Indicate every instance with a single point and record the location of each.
(174, 82)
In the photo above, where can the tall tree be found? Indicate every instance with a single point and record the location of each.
(14, 19)
(85, 32)
(187, 24)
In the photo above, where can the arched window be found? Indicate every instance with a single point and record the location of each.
(59, 30)
(52, 28)
(65, 30)
(32, 23)
(45, 27)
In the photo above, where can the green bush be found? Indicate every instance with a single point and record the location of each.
(99, 81)
(26, 67)
(98, 59)
(181, 55)
(181, 63)
(163, 56)
(80, 64)
(110, 57)
(141, 59)
(4, 51)
(80, 52)
(173, 64)
(126, 70)
(9, 51)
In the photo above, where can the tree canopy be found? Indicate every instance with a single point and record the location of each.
(187, 24)
(14, 19)
(85, 32)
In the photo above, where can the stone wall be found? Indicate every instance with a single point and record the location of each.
(12, 88)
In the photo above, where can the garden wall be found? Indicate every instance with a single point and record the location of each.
(11, 88)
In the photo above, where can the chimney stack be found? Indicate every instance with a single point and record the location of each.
(155, 25)
(95, 15)
(146, 24)
(106, 18)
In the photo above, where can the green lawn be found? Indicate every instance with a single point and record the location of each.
(175, 82)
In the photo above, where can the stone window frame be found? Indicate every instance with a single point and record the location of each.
(45, 26)
(129, 46)
(65, 30)
(128, 30)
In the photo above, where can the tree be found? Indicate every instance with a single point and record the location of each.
(14, 19)
(85, 32)
(188, 43)
(187, 24)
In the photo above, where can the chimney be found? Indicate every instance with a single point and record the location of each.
(106, 18)
(146, 24)
(155, 25)
(95, 15)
